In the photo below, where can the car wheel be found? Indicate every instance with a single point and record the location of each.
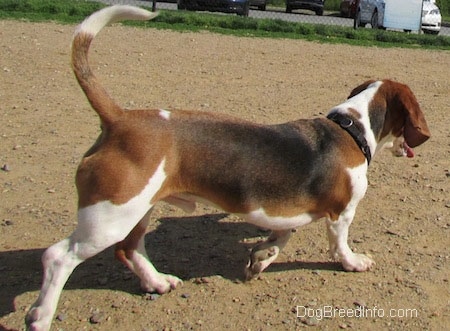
(262, 7)
(181, 5)
(246, 10)
(319, 12)
(374, 20)
(357, 20)
(288, 9)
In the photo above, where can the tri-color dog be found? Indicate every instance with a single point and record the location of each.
(277, 177)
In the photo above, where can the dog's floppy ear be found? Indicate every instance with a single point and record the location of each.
(360, 88)
(416, 130)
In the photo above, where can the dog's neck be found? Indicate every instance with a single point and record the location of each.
(357, 108)
(355, 129)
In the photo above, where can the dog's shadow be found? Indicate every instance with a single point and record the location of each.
(188, 247)
(191, 247)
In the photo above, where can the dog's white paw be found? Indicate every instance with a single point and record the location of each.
(357, 262)
(163, 284)
(36, 320)
(260, 259)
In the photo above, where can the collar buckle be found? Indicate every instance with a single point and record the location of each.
(357, 133)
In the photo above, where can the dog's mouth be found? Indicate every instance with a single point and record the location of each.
(399, 147)
(408, 151)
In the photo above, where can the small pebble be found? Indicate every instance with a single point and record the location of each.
(311, 321)
(202, 280)
(6, 168)
(152, 296)
(61, 317)
(359, 303)
(8, 222)
(96, 318)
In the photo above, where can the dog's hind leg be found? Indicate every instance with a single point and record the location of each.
(131, 252)
(58, 262)
(265, 253)
(99, 227)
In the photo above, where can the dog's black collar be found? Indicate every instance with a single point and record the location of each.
(346, 122)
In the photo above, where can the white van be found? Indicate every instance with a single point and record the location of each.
(407, 15)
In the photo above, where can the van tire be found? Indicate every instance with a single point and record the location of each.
(374, 20)
(357, 21)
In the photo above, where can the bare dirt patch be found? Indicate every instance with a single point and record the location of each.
(46, 125)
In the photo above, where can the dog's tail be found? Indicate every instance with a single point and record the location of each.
(104, 105)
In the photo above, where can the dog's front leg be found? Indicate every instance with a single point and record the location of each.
(265, 253)
(339, 249)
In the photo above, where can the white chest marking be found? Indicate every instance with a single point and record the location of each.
(358, 178)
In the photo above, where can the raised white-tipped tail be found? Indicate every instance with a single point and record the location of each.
(98, 20)
(102, 103)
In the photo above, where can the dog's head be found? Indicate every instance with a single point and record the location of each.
(396, 118)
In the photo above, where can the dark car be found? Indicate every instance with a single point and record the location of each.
(314, 5)
(240, 7)
(260, 4)
(348, 8)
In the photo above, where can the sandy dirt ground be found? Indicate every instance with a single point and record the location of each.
(47, 124)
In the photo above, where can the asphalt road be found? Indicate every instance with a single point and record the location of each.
(297, 16)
